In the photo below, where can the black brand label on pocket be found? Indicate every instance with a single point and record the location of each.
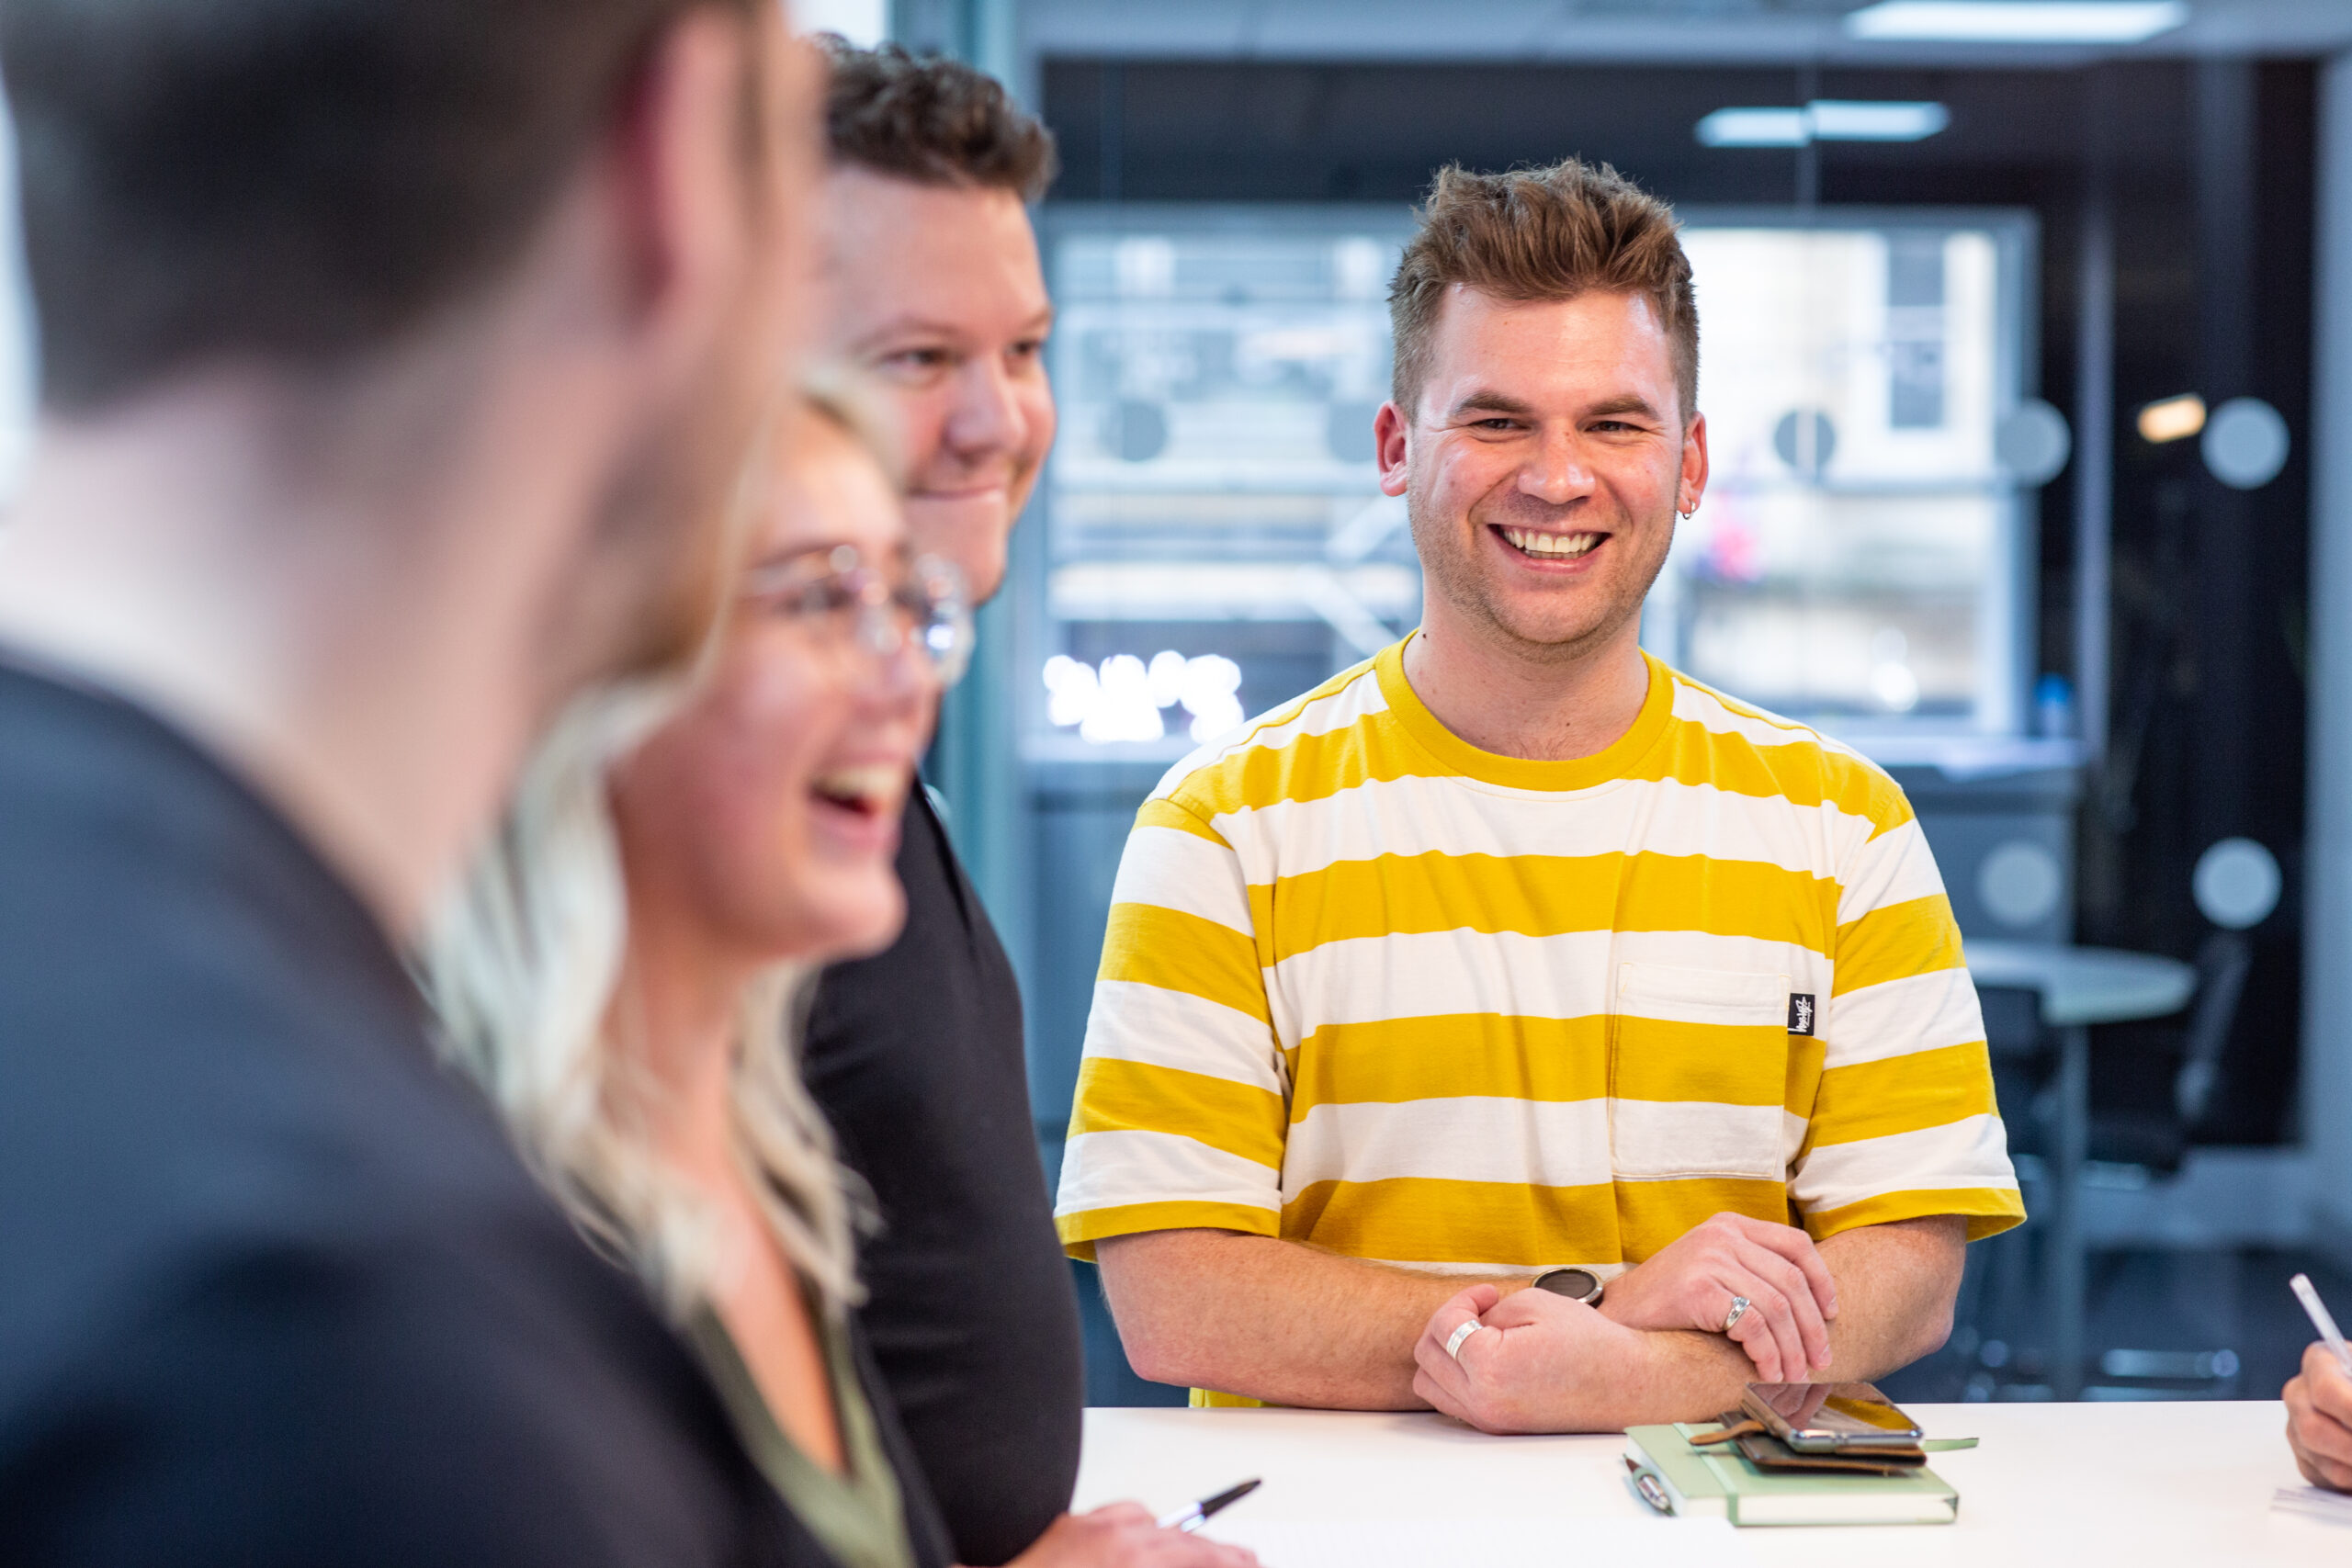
(1800, 1012)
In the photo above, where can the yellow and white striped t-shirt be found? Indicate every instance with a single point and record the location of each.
(1368, 987)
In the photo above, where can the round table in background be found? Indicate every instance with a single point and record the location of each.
(2082, 986)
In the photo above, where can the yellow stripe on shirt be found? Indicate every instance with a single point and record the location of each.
(1542, 895)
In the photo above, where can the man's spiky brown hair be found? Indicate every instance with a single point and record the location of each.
(1542, 235)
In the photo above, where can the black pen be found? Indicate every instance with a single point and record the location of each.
(1190, 1515)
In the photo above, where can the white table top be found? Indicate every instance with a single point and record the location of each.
(2084, 985)
(2146, 1485)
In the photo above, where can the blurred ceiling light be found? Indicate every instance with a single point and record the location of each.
(1824, 119)
(1847, 120)
(1755, 128)
(2019, 21)
(2173, 419)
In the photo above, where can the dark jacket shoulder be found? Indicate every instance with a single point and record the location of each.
(275, 1290)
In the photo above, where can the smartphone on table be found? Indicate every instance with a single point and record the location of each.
(1830, 1417)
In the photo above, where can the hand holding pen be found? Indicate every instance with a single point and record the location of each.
(2318, 1400)
(1124, 1534)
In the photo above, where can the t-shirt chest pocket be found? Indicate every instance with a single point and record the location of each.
(1698, 1072)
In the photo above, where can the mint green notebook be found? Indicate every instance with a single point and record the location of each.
(1719, 1483)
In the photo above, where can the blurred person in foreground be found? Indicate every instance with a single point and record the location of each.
(1511, 956)
(398, 358)
(2319, 1420)
(934, 291)
(620, 974)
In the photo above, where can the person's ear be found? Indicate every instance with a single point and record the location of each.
(1693, 483)
(686, 165)
(1391, 446)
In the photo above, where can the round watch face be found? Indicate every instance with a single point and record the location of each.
(1576, 1284)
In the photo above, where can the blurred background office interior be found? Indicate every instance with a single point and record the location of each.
(2028, 363)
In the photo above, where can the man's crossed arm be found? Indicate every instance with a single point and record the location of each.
(1552, 1365)
(1293, 1324)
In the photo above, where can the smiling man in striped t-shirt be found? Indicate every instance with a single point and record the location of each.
(1511, 953)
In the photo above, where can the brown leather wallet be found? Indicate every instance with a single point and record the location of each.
(1732, 1429)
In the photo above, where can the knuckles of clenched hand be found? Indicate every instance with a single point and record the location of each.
(2319, 1421)
(1694, 1282)
(1491, 1409)
(1550, 1364)
(2316, 1468)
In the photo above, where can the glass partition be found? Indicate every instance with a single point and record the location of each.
(1216, 537)
(1215, 540)
(1861, 558)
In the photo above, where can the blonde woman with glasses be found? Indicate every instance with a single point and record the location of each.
(620, 971)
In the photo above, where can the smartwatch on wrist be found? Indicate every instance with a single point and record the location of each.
(1576, 1284)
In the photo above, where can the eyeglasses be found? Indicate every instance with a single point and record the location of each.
(836, 592)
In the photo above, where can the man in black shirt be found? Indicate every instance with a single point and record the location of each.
(916, 1055)
(398, 356)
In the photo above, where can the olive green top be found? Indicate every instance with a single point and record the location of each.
(857, 1515)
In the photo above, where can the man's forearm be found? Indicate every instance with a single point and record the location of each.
(1896, 1285)
(1269, 1319)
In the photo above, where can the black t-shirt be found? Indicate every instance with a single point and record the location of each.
(274, 1290)
(916, 1056)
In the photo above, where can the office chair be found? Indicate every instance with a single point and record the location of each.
(2159, 1140)
(2156, 1140)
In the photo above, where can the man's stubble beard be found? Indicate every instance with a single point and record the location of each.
(953, 542)
(669, 540)
(675, 530)
(1448, 572)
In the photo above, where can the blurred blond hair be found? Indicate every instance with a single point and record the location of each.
(521, 964)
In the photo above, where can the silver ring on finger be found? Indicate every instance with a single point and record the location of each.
(1739, 1305)
(1454, 1343)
